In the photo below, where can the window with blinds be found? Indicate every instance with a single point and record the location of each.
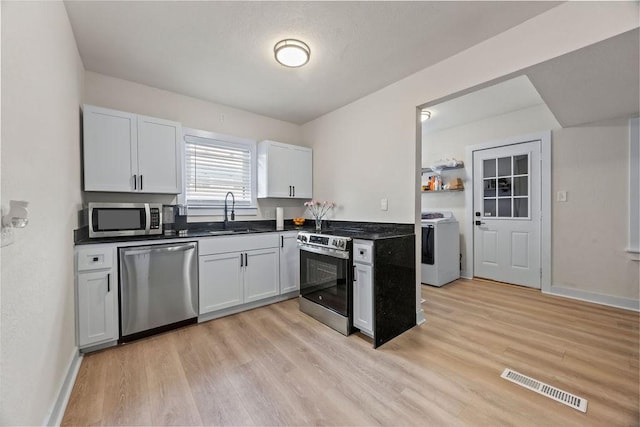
(215, 166)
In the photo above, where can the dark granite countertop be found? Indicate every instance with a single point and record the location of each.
(356, 230)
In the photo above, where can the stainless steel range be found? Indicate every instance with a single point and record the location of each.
(326, 281)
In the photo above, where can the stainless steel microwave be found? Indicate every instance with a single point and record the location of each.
(124, 219)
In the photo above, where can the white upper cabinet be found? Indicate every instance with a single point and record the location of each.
(110, 152)
(159, 155)
(125, 152)
(284, 170)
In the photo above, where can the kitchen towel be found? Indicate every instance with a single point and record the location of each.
(279, 219)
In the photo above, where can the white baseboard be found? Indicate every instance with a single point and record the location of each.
(420, 317)
(612, 301)
(60, 405)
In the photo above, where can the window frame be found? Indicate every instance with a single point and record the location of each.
(224, 140)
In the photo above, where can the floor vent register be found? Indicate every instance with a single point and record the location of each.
(539, 387)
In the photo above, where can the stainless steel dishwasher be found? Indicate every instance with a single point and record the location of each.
(158, 288)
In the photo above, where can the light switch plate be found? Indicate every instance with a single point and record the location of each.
(561, 196)
(384, 204)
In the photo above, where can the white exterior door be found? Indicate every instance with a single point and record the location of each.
(507, 213)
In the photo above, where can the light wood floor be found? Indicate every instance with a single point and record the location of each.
(276, 366)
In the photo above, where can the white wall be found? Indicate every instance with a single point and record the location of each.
(452, 143)
(590, 230)
(41, 91)
(372, 142)
(109, 92)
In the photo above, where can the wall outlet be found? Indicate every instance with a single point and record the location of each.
(384, 204)
(561, 196)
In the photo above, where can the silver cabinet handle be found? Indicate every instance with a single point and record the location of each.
(241, 260)
(148, 250)
(140, 182)
(282, 241)
(246, 260)
(108, 282)
(135, 182)
(294, 191)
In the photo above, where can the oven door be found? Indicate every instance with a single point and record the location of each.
(326, 279)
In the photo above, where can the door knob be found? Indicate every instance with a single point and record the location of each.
(479, 223)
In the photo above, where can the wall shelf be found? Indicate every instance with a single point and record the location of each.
(445, 168)
(444, 191)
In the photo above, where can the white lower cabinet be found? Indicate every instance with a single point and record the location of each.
(289, 262)
(97, 296)
(233, 278)
(261, 274)
(363, 299)
(363, 287)
(220, 278)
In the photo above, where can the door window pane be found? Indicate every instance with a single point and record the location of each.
(504, 166)
(504, 207)
(521, 164)
(521, 207)
(489, 207)
(489, 168)
(521, 186)
(489, 188)
(504, 187)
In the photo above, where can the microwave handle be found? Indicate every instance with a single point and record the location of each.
(147, 216)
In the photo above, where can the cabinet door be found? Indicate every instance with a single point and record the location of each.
(363, 299)
(220, 281)
(159, 156)
(261, 274)
(97, 308)
(109, 145)
(302, 172)
(289, 263)
(279, 171)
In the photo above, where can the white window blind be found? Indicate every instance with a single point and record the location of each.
(214, 167)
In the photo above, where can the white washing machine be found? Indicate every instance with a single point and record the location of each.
(440, 248)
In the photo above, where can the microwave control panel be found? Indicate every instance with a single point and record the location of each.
(155, 219)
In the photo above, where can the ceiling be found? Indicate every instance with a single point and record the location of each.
(501, 98)
(223, 51)
(595, 84)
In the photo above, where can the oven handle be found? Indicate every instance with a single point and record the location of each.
(322, 251)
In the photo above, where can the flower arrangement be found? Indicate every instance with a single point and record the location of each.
(318, 210)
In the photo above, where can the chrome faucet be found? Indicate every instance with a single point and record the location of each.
(233, 206)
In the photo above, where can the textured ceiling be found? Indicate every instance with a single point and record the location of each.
(595, 84)
(223, 51)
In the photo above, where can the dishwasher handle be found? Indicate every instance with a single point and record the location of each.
(159, 249)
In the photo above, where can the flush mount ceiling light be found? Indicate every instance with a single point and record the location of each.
(292, 53)
(425, 115)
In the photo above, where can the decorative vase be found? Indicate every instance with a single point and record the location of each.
(318, 224)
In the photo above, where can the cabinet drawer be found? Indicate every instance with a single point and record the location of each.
(94, 257)
(363, 251)
(223, 244)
